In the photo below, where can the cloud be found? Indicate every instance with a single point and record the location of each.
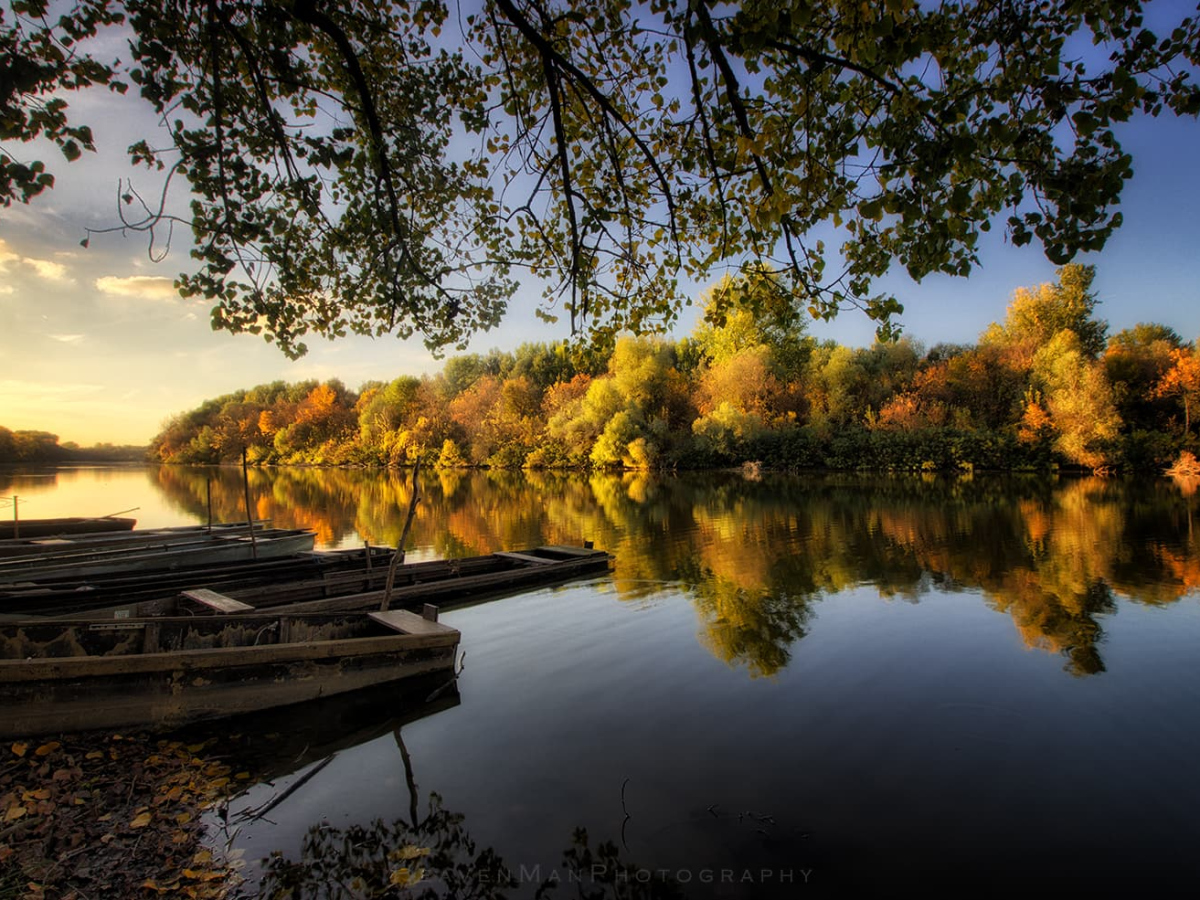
(66, 338)
(6, 256)
(43, 268)
(6, 288)
(47, 269)
(147, 287)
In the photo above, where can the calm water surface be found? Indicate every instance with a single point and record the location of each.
(793, 686)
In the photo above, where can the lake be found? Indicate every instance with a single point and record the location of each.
(786, 686)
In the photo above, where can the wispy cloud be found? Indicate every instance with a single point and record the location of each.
(66, 338)
(6, 256)
(6, 288)
(47, 269)
(43, 268)
(147, 287)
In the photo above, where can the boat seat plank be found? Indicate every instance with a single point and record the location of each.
(216, 601)
(406, 622)
(523, 557)
(571, 551)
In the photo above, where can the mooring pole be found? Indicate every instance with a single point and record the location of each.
(249, 517)
(16, 517)
(398, 556)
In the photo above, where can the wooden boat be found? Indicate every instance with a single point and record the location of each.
(72, 596)
(117, 540)
(29, 528)
(444, 582)
(173, 553)
(68, 676)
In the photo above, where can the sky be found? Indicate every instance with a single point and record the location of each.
(95, 346)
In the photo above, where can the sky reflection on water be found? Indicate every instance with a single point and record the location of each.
(878, 682)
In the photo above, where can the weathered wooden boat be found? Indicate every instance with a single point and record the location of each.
(443, 582)
(29, 528)
(117, 540)
(68, 676)
(174, 553)
(70, 596)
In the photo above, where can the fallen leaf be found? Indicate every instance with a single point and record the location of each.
(47, 749)
(141, 821)
(19, 749)
(402, 877)
(203, 875)
(409, 851)
(14, 813)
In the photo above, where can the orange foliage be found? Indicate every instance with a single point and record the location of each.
(1036, 423)
(559, 395)
(1182, 380)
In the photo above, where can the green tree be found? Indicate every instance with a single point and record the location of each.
(614, 145)
(384, 410)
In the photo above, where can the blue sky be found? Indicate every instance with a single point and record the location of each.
(97, 347)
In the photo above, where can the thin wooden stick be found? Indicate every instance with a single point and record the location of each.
(398, 556)
(249, 518)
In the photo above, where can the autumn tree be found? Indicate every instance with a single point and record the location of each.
(354, 167)
(1182, 380)
(1135, 362)
(1079, 400)
(383, 409)
(1036, 316)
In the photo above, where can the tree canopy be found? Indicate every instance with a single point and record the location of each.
(391, 167)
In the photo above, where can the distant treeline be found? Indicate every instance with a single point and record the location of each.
(43, 447)
(1047, 387)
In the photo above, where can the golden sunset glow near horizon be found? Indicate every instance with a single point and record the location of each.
(98, 347)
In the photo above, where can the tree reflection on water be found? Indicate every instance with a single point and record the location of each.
(1053, 554)
(430, 852)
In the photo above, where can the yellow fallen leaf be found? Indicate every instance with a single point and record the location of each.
(39, 794)
(95, 754)
(47, 749)
(409, 851)
(19, 749)
(403, 877)
(183, 818)
(14, 813)
(141, 821)
(203, 875)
